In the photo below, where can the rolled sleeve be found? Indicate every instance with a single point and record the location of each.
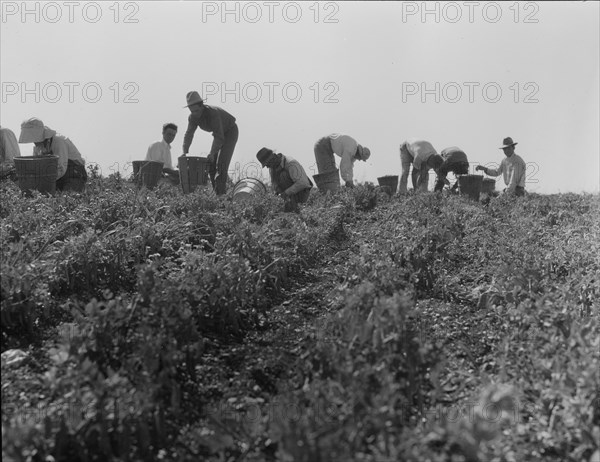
(189, 134)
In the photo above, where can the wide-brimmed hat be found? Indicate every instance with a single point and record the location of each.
(264, 155)
(363, 152)
(34, 131)
(193, 97)
(507, 142)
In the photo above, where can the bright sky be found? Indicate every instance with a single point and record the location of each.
(467, 74)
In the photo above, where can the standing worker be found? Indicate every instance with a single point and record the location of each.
(418, 153)
(512, 168)
(345, 147)
(222, 125)
(288, 178)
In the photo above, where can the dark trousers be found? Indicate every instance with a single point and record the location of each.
(219, 169)
(324, 155)
(74, 178)
(459, 168)
(292, 201)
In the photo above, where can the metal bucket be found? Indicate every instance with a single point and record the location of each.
(247, 188)
(37, 173)
(470, 185)
(147, 173)
(193, 172)
(328, 181)
(390, 181)
(488, 185)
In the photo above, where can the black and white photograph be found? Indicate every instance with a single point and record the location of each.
(320, 231)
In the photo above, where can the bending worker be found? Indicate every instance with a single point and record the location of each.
(345, 147)
(287, 177)
(71, 166)
(420, 154)
(453, 160)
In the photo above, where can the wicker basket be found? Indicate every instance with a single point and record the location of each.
(193, 172)
(488, 185)
(470, 185)
(328, 181)
(147, 173)
(390, 181)
(37, 173)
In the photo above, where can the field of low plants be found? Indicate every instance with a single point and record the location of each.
(426, 327)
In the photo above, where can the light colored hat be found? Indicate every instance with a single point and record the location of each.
(34, 131)
(193, 97)
(508, 141)
(364, 152)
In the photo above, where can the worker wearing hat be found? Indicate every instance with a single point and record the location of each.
(288, 177)
(71, 174)
(422, 156)
(343, 146)
(512, 168)
(225, 133)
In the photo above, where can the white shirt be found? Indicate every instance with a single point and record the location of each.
(62, 147)
(420, 151)
(160, 152)
(344, 146)
(513, 170)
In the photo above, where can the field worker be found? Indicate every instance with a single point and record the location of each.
(9, 149)
(71, 166)
(344, 146)
(225, 135)
(161, 152)
(417, 153)
(287, 177)
(452, 160)
(512, 168)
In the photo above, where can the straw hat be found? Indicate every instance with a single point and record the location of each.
(34, 131)
(193, 97)
(508, 142)
(363, 152)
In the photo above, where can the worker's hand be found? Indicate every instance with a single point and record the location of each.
(480, 167)
(350, 184)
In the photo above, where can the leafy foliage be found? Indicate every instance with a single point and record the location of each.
(130, 295)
